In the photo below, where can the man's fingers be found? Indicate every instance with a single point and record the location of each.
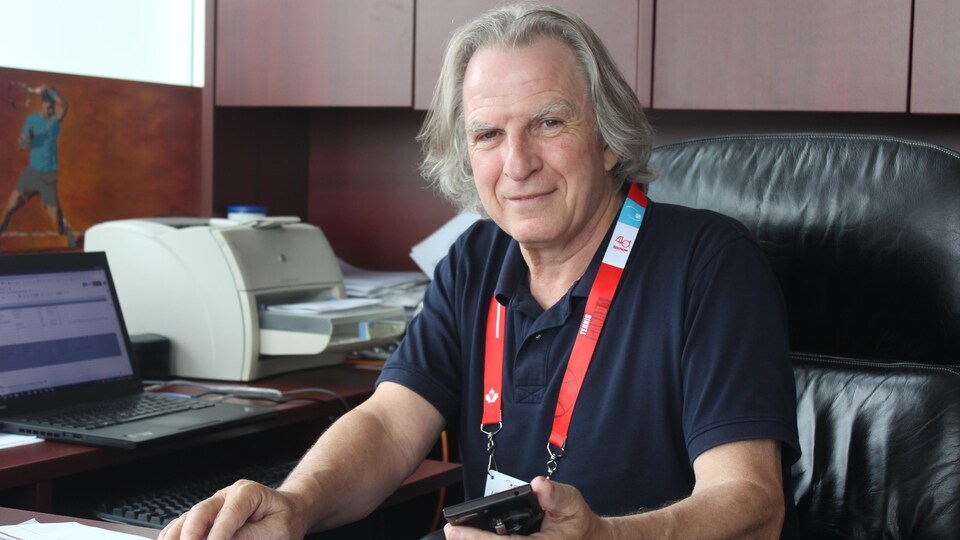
(172, 529)
(218, 517)
(556, 499)
(240, 502)
(195, 523)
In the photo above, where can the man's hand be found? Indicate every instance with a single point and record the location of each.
(566, 516)
(245, 510)
(341, 479)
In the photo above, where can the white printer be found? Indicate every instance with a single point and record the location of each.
(210, 286)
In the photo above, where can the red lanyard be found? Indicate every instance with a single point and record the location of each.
(594, 315)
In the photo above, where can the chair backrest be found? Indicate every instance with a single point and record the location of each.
(863, 233)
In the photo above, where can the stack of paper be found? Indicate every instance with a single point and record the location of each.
(403, 289)
(406, 289)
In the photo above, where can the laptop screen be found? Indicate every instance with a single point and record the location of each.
(59, 331)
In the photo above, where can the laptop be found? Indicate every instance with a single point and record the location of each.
(66, 362)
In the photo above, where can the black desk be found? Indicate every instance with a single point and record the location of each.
(66, 479)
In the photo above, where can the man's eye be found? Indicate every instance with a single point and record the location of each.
(551, 123)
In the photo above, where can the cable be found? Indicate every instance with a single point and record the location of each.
(250, 392)
(346, 406)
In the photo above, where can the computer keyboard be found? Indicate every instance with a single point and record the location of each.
(124, 410)
(161, 506)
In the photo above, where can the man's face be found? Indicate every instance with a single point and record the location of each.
(539, 166)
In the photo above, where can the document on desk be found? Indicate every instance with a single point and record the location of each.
(34, 530)
(9, 440)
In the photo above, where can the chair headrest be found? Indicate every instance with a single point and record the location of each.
(863, 233)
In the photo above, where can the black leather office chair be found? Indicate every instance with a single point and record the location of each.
(863, 233)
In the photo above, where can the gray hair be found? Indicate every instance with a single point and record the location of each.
(618, 116)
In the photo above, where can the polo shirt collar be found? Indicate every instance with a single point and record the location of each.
(513, 275)
(513, 282)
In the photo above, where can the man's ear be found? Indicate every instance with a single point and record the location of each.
(610, 158)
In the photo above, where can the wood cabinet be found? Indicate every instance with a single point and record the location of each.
(814, 55)
(314, 52)
(625, 26)
(935, 77)
(269, 60)
(771, 55)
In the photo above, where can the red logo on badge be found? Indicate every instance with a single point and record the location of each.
(622, 243)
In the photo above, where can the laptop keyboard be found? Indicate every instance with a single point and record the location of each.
(124, 410)
(158, 507)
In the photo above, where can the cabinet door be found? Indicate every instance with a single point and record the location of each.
(615, 21)
(783, 55)
(935, 81)
(314, 52)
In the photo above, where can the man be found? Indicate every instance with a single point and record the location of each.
(41, 132)
(678, 422)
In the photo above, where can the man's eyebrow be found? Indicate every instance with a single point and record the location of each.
(554, 108)
(479, 127)
(561, 107)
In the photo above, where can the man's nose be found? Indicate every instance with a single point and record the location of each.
(522, 157)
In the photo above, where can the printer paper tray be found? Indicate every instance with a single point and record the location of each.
(316, 334)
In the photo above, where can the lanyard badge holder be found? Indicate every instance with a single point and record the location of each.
(491, 423)
(598, 304)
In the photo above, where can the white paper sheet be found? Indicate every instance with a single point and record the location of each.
(325, 306)
(434, 248)
(9, 440)
(34, 530)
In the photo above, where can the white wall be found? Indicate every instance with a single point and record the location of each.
(158, 41)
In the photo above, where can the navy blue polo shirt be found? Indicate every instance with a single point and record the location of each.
(693, 354)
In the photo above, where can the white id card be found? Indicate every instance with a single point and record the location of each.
(497, 482)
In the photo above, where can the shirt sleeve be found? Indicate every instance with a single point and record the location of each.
(737, 377)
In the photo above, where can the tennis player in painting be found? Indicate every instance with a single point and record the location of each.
(40, 134)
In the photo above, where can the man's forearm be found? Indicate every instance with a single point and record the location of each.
(346, 474)
(360, 461)
(738, 509)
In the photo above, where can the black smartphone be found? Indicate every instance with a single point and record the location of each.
(515, 511)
